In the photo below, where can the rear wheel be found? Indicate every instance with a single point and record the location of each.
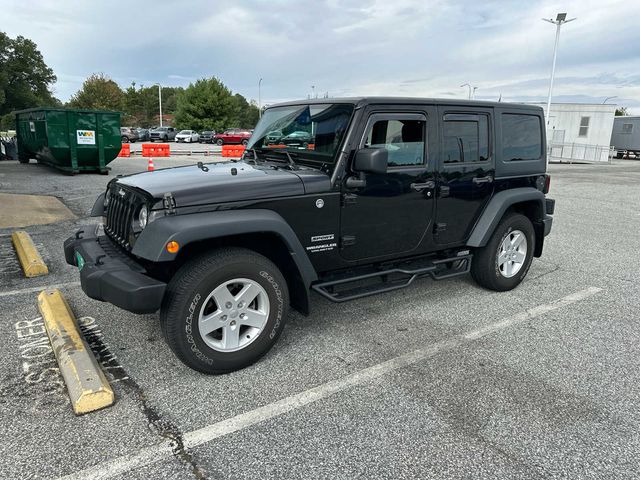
(224, 310)
(504, 262)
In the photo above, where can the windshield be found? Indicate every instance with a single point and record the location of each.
(185, 132)
(313, 131)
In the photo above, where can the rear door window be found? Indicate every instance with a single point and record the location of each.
(521, 137)
(466, 138)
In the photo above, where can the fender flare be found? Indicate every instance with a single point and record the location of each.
(98, 209)
(194, 227)
(495, 209)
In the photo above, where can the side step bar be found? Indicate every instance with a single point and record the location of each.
(391, 279)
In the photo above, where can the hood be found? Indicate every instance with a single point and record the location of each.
(191, 185)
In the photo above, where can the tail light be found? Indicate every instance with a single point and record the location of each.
(547, 184)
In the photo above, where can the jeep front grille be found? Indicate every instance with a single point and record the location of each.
(123, 205)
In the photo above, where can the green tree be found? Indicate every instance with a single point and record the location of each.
(205, 105)
(208, 104)
(141, 104)
(25, 79)
(622, 111)
(98, 92)
(247, 112)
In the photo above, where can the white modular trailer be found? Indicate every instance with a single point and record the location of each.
(579, 131)
(625, 138)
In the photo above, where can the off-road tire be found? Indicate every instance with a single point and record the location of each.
(190, 287)
(484, 267)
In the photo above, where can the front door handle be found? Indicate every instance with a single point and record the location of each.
(487, 179)
(418, 187)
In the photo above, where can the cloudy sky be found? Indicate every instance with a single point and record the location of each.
(343, 47)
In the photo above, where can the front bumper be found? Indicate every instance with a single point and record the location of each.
(111, 276)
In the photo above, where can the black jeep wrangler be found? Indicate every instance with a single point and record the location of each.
(383, 191)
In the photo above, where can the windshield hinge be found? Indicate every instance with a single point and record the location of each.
(169, 203)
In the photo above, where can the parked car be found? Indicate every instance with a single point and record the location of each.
(143, 134)
(273, 136)
(297, 139)
(128, 134)
(207, 136)
(163, 134)
(224, 249)
(187, 136)
(233, 135)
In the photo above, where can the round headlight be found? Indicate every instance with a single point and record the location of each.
(143, 216)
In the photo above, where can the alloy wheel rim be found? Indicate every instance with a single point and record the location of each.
(233, 315)
(512, 253)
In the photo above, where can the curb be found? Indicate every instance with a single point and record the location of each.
(30, 260)
(88, 388)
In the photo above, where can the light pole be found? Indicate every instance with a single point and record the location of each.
(259, 99)
(313, 91)
(472, 90)
(561, 18)
(609, 98)
(160, 101)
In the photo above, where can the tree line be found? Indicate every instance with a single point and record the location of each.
(26, 81)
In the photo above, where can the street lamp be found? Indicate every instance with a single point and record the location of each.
(609, 98)
(259, 100)
(472, 90)
(561, 19)
(160, 100)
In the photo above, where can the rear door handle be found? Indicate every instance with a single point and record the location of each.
(418, 187)
(487, 179)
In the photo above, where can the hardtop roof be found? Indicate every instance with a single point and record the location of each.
(363, 101)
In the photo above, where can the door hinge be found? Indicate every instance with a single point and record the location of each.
(169, 203)
(439, 227)
(347, 241)
(349, 199)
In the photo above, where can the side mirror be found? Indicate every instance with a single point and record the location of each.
(371, 160)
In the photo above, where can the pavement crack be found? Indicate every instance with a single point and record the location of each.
(156, 423)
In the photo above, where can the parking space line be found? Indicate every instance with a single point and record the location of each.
(38, 289)
(195, 438)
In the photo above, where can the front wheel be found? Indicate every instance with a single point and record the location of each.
(224, 310)
(504, 262)
(219, 142)
(124, 139)
(245, 142)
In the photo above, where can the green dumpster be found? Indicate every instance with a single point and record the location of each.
(70, 140)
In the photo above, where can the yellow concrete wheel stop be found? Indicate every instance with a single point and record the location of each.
(87, 385)
(30, 260)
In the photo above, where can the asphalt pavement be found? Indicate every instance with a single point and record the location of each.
(439, 380)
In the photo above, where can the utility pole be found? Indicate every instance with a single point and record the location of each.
(561, 19)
